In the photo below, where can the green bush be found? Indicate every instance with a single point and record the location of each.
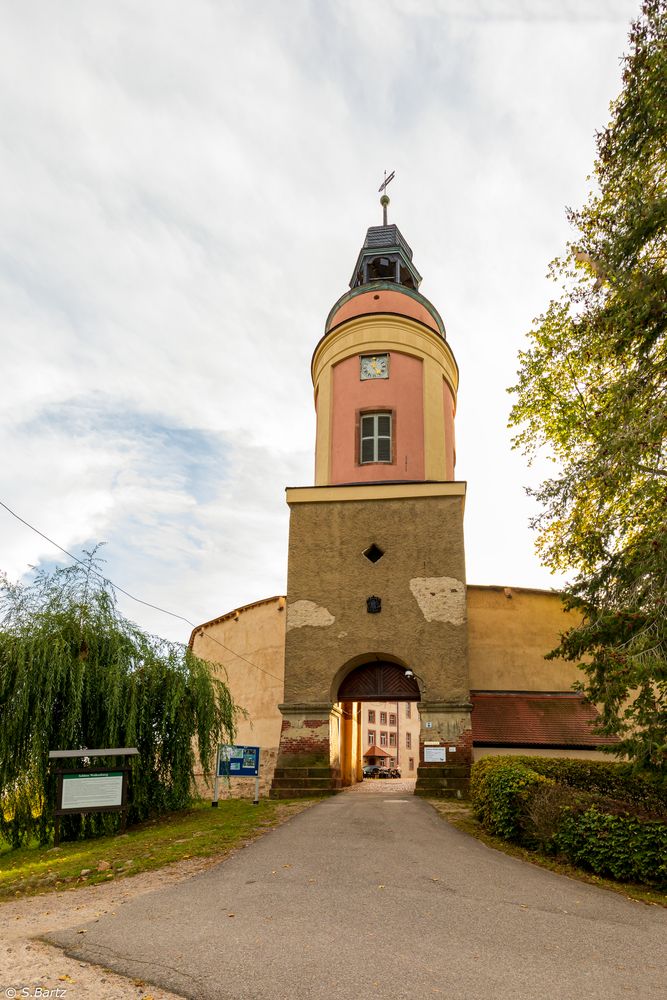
(613, 824)
(643, 789)
(498, 789)
(623, 847)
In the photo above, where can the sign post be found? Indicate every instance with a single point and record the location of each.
(91, 789)
(236, 762)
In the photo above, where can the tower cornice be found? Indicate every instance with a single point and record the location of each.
(375, 332)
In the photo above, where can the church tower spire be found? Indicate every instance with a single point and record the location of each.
(384, 375)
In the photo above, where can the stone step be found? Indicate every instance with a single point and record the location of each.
(300, 772)
(301, 782)
(429, 772)
(301, 793)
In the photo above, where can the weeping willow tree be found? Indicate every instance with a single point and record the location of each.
(74, 673)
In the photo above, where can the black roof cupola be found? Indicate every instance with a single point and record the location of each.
(385, 255)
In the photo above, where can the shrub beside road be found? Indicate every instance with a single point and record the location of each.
(602, 817)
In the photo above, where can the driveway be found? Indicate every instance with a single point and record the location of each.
(374, 896)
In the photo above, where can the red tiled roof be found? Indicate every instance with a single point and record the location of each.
(534, 720)
(375, 751)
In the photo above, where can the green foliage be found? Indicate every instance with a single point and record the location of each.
(498, 790)
(591, 391)
(644, 790)
(75, 673)
(623, 847)
(600, 816)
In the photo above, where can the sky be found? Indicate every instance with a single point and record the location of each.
(184, 189)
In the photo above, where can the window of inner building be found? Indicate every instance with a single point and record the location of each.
(408, 741)
(392, 739)
(375, 438)
(383, 718)
(371, 715)
(408, 710)
(371, 737)
(392, 719)
(383, 739)
(411, 764)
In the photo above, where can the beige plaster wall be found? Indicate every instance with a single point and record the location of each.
(479, 752)
(257, 634)
(510, 629)
(420, 578)
(507, 635)
(406, 724)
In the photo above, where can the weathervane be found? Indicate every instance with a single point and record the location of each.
(384, 200)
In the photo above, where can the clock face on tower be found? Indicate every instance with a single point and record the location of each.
(374, 366)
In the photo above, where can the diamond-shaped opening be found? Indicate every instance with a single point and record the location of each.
(373, 553)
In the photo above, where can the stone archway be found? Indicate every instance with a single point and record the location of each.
(377, 681)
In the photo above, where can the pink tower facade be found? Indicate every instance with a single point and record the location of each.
(385, 378)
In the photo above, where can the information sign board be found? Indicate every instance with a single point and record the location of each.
(434, 755)
(238, 762)
(97, 790)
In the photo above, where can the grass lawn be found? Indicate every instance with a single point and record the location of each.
(197, 832)
(459, 814)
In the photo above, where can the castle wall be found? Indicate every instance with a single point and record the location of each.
(507, 638)
(479, 752)
(256, 632)
(510, 629)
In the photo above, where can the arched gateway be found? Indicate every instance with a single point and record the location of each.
(379, 681)
(376, 558)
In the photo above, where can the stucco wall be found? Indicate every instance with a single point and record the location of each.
(383, 300)
(507, 635)
(509, 632)
(401, 753)
(420, 579)
(257, 633)
(479, 752)
(402, 394)
(391, 335)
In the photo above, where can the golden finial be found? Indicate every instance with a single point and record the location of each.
(384, 200)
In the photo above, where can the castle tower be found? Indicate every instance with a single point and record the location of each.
(376, 596)
(384, 349)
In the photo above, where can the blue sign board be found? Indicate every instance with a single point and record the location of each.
(239, 762)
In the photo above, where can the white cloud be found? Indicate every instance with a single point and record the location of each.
(183, 192)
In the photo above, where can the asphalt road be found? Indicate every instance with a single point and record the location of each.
(374, 896)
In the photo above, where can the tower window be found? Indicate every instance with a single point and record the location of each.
(375, 438)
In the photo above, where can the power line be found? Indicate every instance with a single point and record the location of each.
(146, 604)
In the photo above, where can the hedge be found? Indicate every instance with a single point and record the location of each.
(498, 788)
(623, 847)
(598, 815)
(617, 780)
